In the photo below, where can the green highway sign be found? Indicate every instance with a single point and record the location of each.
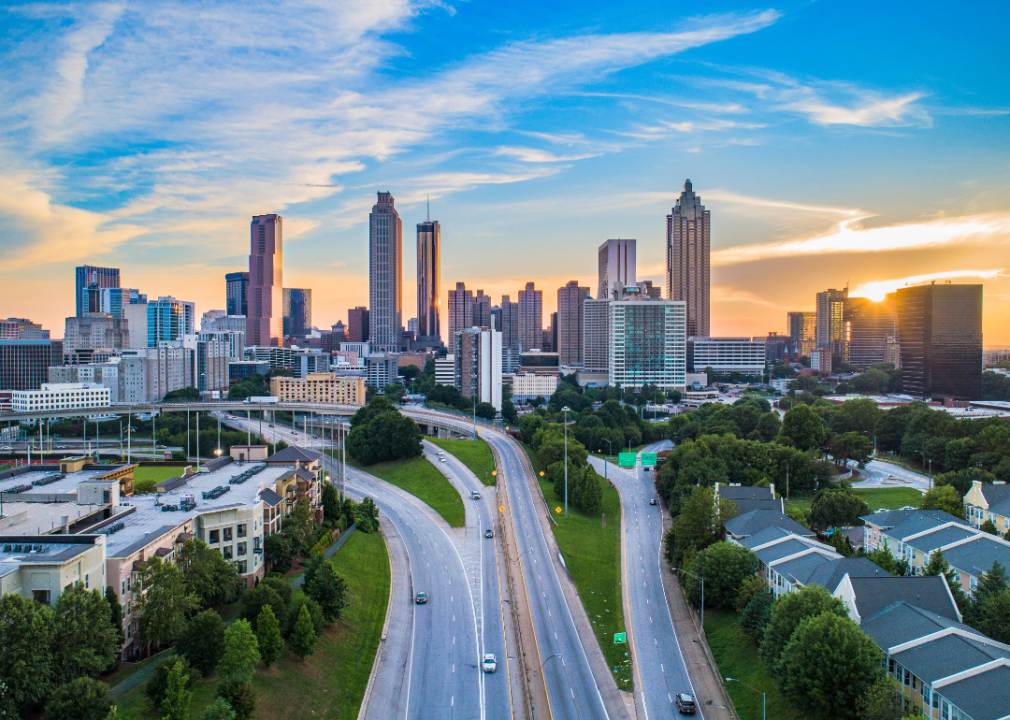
(648, 459)
(627, 459)
(620, 638)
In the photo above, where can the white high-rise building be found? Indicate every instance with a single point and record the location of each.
(648, 340)
(477, 356)
(385, 275)
(617, 264)
(596, 336)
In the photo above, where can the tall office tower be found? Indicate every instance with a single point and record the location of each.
(830, 333)
(531, 317)
(385, 275)
(940, 330)
(477, 357)
(265, 319)
(460, 309)
(595, 335)
(89, 277)
(648, 340)
(653, 292)
(169, 320)
(688, 275)
(802, 332)
(297, 312)
(24, 364)
(570, 318)
(110, 301)
(357, 325)
(547, 345)
(236, 289)
(868, 324)
(481, 310)
(617, 264)
(429, 253)
(509, 327)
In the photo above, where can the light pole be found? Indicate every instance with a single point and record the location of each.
(611, 446)
(565, 410)
(763, 697)
(702, 580)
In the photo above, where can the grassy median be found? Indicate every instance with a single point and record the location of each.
(876, 498)
(476, 457)
(420, 478)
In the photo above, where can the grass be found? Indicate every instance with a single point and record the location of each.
(145, 478)
(476, 457)
(420, 478)
(736, 654)
(593, 556)
(331, 683)
(876, 498)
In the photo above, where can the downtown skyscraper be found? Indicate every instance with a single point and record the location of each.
(265, 319)
(429, 249)
(570, 319)
(616, 264)
(688, 272)
(88, 277)
(531, 318)
(385, 275)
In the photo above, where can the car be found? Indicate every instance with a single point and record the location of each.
(475, 495)
(490, 663)
(61, 447)
(686, 704)
(489, 533)
(441, 459)
(420, 598)
(652, 501)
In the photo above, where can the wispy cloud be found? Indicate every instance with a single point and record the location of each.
(532, 155)
(877, 289)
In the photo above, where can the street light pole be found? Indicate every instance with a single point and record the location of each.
(763, 696)
(565, 409)
(611, 446)
(702, 580)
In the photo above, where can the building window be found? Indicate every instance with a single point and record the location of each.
(241, 548)
(241, 530)
(227, 534)
(242, 569)
(214, 537)
(41, 596)
(86, 585)
(226, 551)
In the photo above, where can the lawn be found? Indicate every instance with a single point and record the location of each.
(593, 556)
(331, 683)
(420, 478)
(737, 657)
(476, 457)
(876, 498)
(145, 478)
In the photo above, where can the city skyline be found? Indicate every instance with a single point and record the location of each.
(823, 169)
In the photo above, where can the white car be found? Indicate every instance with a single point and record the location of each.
(490, 663)
(441, 459)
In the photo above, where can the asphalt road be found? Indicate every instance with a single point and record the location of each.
(883, 474)
(660, 670)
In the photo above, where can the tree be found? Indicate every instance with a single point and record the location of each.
(239, 695)
(508, 411)
(278, 548)
(26, 663)
(827, 665)
(851, 446)
(241, 652)
(303, 639)
(163, 600)
(186, 394)
(331, 501)
(81, 699)
(796, 513)
(395, 392)
(157, 687)
(803, 427)
(755, 616)
(750, 587)
(786, 615)
(366, 515)
(218, 710)
(116, 618)
(300, 525)
(945, 498)
(177, 698)
(85, 641)
(380, 433)
(882, 557)
(206, 574)
(486, 410)
(992, 581)
(881, 701)
(699, 523)
(268, 636)
(256, 597)
(725, 566)
(835, 508)
(991, 615)
(315, 612)
(326, 587)
(202, 642)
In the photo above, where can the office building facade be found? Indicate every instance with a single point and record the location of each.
(22, 329)
(385, 275)
(508, 323)
(802, 332)
(236, 289)
(83, 336)
(264, 318)
(24, 364)
(648, 340)
(90, 277)
(570, 322)
(357, 325)
(320, 388)
(726, 355)
(300, 361)
(62, 396)
(596, 335)
(830, 333)
(460, 308)
(868, 324)
(429, 259)
(531, 317)
(104, 374)
(297, 312)
(688, 248)
(940, 331)
(169, 320)
(382, 369)
(477, 360)
(616, 260)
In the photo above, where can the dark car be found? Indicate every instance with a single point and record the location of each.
(420, 598)
(652, 501)
(685, 704)
(489, 533)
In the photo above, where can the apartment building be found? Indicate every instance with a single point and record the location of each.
(62, 396)
(43, 567)
(320, 388)
(988, 502)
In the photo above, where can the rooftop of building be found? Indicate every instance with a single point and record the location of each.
(829, 574)
(997, 495)
(38, 550)
(940, 537)
(977, 555)
(929, 592)
(751, 523)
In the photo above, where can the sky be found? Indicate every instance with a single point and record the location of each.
(834, 142)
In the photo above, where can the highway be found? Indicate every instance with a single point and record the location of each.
(659, 668)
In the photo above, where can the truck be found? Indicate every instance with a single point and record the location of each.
(262, 400)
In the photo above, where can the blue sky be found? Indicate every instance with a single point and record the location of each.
(834, 142)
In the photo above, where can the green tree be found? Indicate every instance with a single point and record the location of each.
(157, 687)
(989, 527)
(81, 699)
(326, 587)
(303, 639)
(881, 701)
(268, 636)
(724, 566)
(206, 574)
(835, 508)
(379, 433)
(300, 525)
(116, 618)
(278, 548)
(366, 516)
(699, 523)
(26, 663)
(163, 601)
(883, 558)
(827, 665)
(508, 411)
(241, 652)
(748, 589)
(755, 616)
(177, 698)
(202, 642)
(803, 428)
(788, 612)
(218, 710)
(187, 394)
(851, 446)
(486, 410)
(315, 612)
(394, 392)
(331, 502)
(256, 597)
(85, 641)
(796, 513)
(945, 498)
(239, 695)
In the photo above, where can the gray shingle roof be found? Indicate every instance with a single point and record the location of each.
(977, 556)
(766, 535)
(900, 622)
(946, 656)
(929, 593)
(753, 522)
(828, 575)
(270, 497)
(922, 520)
(748, 499)
(998, 497)
(292, 455)
(928, 543)
(784, 549)
(985, 696)
(799, 569)
(887, 518)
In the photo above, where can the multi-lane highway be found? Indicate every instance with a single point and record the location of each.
(659, 668)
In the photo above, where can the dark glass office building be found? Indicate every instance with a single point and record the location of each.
(940, 331)
(236, 291)
(24, 364)
(297, 312)
(868, 324)
(88, 277)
